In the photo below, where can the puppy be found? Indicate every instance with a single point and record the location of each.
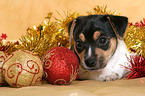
(99, 45)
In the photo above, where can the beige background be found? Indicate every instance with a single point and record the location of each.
(17, 15)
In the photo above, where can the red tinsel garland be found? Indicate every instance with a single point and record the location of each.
(137, 67)
(138, 24)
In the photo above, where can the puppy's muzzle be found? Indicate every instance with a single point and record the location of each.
(90, 62)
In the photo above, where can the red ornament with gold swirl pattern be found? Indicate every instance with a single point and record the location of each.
(61, 66)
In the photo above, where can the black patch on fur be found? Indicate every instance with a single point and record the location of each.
(89, 24)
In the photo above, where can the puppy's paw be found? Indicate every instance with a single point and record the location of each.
(108, 77)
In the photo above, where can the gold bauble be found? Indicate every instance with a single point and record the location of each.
(22, 68)
(2, 59)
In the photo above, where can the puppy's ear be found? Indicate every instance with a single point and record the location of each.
(71, 29)
(118, 23)
(72, 26)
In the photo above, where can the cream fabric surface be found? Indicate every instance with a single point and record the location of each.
(133, 87)
(17, 15)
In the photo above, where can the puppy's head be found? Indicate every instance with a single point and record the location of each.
(95, 38)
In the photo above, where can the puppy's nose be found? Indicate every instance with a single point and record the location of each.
(90, 62)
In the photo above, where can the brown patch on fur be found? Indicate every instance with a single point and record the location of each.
(82, 37)
(96, 35)
(108, 53)
(81, 55)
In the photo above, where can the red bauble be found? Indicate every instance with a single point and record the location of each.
(137, 67)
(61, 66)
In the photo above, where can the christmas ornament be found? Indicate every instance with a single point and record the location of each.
(135, 38)
(22, 68)
(61, 65)
(4, 36)
(137, 68)
(2, 59)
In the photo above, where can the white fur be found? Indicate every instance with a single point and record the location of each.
(89, 52)
(115, 67)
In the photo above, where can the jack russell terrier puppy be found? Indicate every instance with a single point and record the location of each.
(99, 45)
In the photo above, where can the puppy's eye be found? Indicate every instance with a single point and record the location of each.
(103, 40)
(79, 43)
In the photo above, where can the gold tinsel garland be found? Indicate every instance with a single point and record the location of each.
(40, 38)
(101, 10)
(64, 21)
(135, 37)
